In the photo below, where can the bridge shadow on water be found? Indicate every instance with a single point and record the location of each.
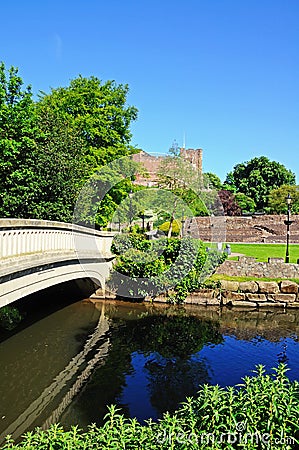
(43, 303)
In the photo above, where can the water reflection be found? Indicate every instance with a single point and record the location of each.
(146, 358)
(160, 354)
(167, 342)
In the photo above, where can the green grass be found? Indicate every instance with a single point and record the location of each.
(219, 277)
(264, 251)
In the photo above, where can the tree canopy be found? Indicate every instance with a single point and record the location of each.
(257, 177)
(277, 199)
(50, 147)
(19, 135)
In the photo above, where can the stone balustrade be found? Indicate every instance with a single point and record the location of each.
(20, 237)
(38, 254)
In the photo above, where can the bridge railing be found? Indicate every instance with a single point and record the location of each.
(20, 237)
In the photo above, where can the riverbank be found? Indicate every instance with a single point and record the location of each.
(228, 293)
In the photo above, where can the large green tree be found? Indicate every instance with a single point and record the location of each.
(59, 167)
(277, 199)
(50, 148)
(98, 120)
(211, 181)
(19, 134)
(99, 113)
(257, 177)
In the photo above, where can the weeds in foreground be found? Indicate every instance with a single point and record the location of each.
(260, 413)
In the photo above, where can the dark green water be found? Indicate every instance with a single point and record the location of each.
(67, 366)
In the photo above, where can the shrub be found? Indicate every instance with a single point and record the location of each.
(176, 227)
(9, 317)
(146, 268)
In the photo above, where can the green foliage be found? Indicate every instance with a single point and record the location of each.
(99, 113)
(244, 202)
(18, 142)
(277, 199)
(171, 265)
(176, 227)
(194, 200)
(137, 263)
(50, 148)
(212, 181)
(258, 177)
(98, 118)
(261, 413)
(123, 242)
(58, 166)
(9, 317)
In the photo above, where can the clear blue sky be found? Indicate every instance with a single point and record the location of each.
(224, 72)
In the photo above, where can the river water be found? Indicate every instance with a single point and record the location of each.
(68, 366)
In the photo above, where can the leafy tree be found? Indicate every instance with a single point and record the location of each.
(229, 203)
(48, 149)
(257, 177)
(18, 142)
(277, 199)
(246, 203)
(58, 166)
(212, 181)
(98, 111)
(99, 119)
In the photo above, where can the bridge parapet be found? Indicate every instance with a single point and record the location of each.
(22, 237)
(37, 254)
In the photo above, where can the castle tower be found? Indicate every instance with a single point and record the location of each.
(194, 156)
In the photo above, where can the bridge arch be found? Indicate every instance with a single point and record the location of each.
(38, 254)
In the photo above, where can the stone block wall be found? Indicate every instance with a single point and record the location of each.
(255, 228)
(249, 267)
(152, 164)
(254, 294)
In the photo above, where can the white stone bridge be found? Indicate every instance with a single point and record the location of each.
(37, 254)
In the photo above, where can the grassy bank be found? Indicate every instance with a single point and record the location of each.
(264, 251)
(261, 413)
(218, 277)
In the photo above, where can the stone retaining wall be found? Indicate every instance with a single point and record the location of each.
(255, 294)
(255, 228)
(250, 267)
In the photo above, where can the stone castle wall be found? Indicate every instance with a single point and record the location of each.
(256, 228)
(152, 164)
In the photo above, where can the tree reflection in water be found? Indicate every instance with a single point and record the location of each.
(169, 341)
(166, 340)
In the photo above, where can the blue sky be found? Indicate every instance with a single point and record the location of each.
(223, 72)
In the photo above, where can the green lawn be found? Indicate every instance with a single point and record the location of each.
(264, 251)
